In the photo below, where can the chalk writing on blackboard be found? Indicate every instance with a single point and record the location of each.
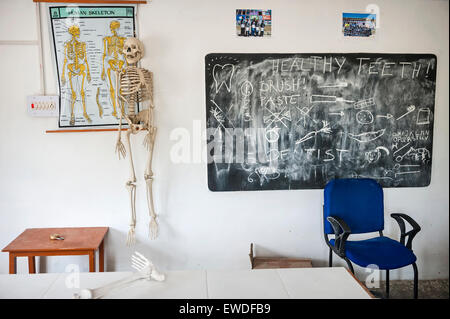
(296, 121)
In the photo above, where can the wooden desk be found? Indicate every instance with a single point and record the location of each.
(77, 241)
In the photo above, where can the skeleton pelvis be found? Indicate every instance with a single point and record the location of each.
(76, 69)
(141, 117)
(116, 65)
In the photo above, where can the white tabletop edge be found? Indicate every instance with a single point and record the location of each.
(286, 276)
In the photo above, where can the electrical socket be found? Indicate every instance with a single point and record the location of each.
(43, 105)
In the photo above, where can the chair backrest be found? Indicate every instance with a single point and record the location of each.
(358, 201)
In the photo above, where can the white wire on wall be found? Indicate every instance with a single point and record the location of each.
(37, 43)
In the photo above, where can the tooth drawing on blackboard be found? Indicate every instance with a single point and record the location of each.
(222, 75)
(367, 136)
(419, 154)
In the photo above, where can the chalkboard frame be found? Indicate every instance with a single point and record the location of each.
(236, 179)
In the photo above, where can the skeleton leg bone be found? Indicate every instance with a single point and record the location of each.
(73, 100)
(149, 184)
(97, 99)
(131, 185)
(83, 98)
(112, 93)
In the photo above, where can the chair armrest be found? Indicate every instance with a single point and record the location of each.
(341, 233)
(400, 218)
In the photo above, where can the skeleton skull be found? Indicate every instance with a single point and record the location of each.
(133, 50)
(74, 31)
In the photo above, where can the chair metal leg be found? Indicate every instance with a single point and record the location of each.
(330, 258)
(387, 283)
(349, 264)
(416, 281)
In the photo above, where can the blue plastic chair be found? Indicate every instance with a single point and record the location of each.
(355, 206)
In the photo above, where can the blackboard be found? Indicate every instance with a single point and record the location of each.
(296, 121)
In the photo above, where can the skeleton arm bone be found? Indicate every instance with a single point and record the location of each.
(100, 292)
(146, 270)
(87, 64)
(120, 148)
(63, 76)
(150, 118)
(103, 59)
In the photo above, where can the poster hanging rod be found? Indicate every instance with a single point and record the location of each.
(96, 2)
(86, 130)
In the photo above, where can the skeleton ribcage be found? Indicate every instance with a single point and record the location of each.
(75, 49)
(133, 89)
(115, 45)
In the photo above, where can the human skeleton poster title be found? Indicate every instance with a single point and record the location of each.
(296, 121)
(88, 43)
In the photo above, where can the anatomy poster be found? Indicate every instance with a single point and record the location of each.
(88, 43)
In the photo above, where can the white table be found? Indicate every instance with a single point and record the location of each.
(310, 283)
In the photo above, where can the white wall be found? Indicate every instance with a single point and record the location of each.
(51, 180)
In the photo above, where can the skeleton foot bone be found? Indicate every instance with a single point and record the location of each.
(145, 270)
(86, 116)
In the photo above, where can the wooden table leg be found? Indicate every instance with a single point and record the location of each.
(92, 261)
(31, 265)
(12, 263)
(101, 258)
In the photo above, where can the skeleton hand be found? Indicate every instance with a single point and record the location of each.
(89, 77)
(145, 270)
(120, 148)
(103, 75)
(145, 267)
(63, 79)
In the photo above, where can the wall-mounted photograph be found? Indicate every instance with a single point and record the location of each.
(253, 23)
(358, 24)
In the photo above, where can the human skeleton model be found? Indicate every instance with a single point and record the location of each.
(113, 49)
(136, 86)
(75, 52)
